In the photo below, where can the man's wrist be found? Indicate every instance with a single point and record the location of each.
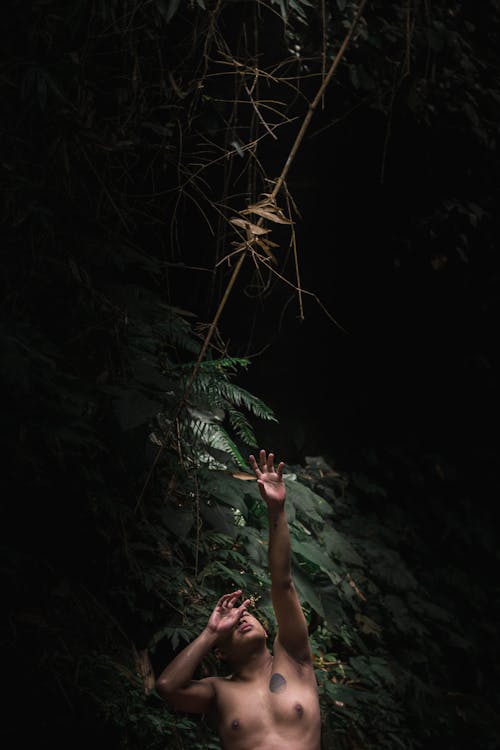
(276, 516)
(210, 636)
(276, 511)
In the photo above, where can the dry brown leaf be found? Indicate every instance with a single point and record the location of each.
(252, 228)
(267, 214)
(353, 584)
(265, 247)
(243, 476)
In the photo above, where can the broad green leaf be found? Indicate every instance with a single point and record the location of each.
(237, 576)
(311, 552)
(333, 610)
(225, 488)
(339, 547)
(256, 545)
(308, 505)
(219, 518)
(306, 592)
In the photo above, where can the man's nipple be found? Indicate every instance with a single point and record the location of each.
(235, 724)
(298, 709)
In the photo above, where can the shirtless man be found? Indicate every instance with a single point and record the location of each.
(270, 701)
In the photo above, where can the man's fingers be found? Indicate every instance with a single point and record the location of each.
(253, 464)
(242, 609)
(233, 597)
(225, 600)
(266, 462)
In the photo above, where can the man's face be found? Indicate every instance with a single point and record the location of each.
(247, 631)
(248, 624)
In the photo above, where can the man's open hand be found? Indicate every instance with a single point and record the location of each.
(270, 480)
(226, 615)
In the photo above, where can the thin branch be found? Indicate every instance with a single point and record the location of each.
(295, 257)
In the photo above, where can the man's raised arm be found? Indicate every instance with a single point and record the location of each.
(292, 625)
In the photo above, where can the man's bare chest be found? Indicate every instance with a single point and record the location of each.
(281, 704)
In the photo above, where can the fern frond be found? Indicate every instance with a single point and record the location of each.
(212, 436)
(224, 365)
(238, 396)
(221, 392)
(242, 427)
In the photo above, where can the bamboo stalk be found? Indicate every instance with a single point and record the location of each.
(279, 182)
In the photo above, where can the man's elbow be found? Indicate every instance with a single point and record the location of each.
(283, 583)
(166, 689)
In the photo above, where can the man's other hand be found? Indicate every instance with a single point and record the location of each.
(226, 615)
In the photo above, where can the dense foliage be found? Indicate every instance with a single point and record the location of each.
(138, 139)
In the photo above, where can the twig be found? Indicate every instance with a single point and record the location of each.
(259, 114)
(295, 257)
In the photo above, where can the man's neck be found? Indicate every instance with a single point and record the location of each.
(254, 664)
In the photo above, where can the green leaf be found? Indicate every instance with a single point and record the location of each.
(219, 519)
(311, 552)
(226, 489)
(306, 592)
(333, 611)
(256, 545)
(308, 505)
(240, 578)
(339, 547)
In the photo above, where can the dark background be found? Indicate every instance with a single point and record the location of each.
(412, 356)
(402, 390)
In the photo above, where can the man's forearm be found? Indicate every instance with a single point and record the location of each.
(180, 671)
(279, 547)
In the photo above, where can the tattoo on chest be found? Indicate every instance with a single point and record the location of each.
(277, 683)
